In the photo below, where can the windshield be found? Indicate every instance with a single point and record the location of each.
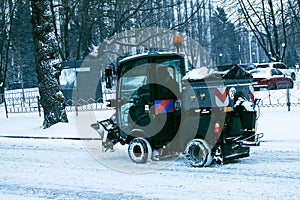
(135, 77)
(259, 72)
(262, 66)
(135, 74)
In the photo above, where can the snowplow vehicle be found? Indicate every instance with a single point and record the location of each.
(162, 109)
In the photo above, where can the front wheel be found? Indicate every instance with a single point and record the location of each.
(198, 153)
(139, 150)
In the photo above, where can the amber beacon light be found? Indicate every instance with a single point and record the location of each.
(177, 42)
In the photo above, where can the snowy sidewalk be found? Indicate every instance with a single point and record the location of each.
(29, 125)
(275, 122)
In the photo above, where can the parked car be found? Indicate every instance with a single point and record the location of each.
(280, 66)
(271, 79)
(247, 66)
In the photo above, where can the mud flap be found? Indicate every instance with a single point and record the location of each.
(233, 151)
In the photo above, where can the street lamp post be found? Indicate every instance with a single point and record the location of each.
(220, 58)
(253, 55)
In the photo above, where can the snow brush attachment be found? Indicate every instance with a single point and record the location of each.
(108, 132)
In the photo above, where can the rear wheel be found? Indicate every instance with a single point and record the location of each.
(273, 87)
(139, 150)
(198, 153)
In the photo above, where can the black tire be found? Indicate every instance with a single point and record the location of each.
(198, 153)
(139, 150)
(274, 87)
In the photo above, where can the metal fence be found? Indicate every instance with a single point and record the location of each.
(28, 100)
(280, 98)
(22, 104)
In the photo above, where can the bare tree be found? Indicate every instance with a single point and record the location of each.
(295, 9)
(47, 63)
(8, 11)
(267, 20)
(2, 41)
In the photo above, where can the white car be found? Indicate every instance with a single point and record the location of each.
(278, 65)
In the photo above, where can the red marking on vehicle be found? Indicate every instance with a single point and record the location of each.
(251, 92)
(164, 106)
(221, 95)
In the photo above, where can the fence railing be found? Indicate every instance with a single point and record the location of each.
(22, 104)
(283, 97)
(29, 101)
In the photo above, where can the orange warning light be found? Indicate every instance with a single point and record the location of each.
(177, 40)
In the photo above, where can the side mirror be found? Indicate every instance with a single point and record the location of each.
(108, 78)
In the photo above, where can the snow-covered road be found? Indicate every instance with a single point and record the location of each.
(63, 169)
(72, 169)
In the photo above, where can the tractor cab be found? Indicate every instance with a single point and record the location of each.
(148, 96)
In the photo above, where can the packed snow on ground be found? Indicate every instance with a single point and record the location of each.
(57, 168)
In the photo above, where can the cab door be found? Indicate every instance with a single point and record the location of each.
(166, 76)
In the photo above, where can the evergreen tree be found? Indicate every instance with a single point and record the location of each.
(22, 45)
(224, 43)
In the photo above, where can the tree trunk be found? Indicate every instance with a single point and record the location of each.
(47, 62)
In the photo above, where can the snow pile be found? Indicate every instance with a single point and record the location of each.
(197, 74)
(30, 125)
(275, 122)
